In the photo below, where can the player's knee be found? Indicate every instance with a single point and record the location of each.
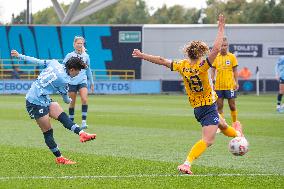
(233, 108)
(55, 110)
(222, 124)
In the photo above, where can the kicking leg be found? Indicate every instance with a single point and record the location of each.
(227, 130)
(56, 112)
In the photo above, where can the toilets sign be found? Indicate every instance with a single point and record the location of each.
(246, 50)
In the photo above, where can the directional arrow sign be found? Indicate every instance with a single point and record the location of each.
(246, 50)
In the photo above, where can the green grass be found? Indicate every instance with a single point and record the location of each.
(140, 142)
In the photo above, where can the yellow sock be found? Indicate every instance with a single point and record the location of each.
(234, 115)
(229, 131)
(196, 150)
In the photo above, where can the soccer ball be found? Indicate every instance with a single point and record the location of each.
(238, 146)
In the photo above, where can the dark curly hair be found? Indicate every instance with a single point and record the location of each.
(75, 63)
(196, 49)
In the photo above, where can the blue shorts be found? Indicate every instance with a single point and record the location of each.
(76, 88)
(281, 81)
(36, 111)
(207, 115)
(228, 94)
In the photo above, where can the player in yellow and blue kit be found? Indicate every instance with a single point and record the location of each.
(225, 80)
(79, 83)
(201, 95)
(54, 78)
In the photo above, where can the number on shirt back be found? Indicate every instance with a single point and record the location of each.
(195, 83)
(47, 77)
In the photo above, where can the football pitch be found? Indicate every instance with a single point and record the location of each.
(141, 140)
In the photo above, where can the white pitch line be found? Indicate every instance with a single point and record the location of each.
(131, 176)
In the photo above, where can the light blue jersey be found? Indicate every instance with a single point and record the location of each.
(279, 68)
(53, 79)
(85, 74)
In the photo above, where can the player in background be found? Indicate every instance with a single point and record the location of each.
(201, 95)
(279, 71)
(53, 79)
(225, 80)
(79, 83)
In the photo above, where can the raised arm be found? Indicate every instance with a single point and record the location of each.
(219, 39)
(151, 58)
(14, 53)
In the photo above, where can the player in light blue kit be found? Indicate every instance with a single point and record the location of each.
(53, 79)
(279, 70)
(79, 82)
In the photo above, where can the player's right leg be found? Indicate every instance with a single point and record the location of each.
(220, 105)
(56, 112)
(228, 130)
(72, 94)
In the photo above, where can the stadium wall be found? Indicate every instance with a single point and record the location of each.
(109, 47)
(255, 45)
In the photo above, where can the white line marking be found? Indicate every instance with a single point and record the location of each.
(132, 176)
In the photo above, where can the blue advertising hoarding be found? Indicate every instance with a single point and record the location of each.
(101, 87)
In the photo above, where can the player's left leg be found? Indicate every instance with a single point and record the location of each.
(231, 96)
(45, 126)
(56, 112)
(209, 119)
(84, 99)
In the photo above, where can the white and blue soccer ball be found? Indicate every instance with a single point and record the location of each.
(239, 146)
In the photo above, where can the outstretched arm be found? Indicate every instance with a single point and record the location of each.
(90, 74)
(151, 58)
(14, 53)
(219, 39)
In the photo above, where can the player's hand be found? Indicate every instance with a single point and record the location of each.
(237, 87)
(14, 53)
(221, 21)
(137, 54)
(66, 99)
(92, 88)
